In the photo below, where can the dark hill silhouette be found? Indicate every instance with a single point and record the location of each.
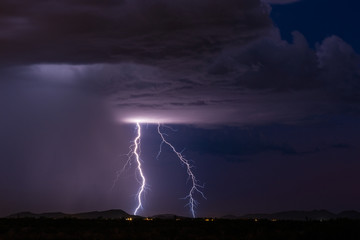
(295, 215)
(230, 216)
(120, 214)
(300, 215)
(27, 215)
(168, 216)
(349, 215)
(110, 214)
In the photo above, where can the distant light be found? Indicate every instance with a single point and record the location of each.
(152, 119)
(129, 219)
(144, 120)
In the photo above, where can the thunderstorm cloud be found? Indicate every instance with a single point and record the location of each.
(194, 62)
(283, 113)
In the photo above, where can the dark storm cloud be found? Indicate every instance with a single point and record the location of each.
(182, 61)
(267, 80)
(137, 30)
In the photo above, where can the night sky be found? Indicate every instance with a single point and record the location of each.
(263, 98)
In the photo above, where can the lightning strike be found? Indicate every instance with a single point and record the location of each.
(195, 187)
(138, 161)
(134, 154)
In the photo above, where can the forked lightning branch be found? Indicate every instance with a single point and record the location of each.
(134, 156)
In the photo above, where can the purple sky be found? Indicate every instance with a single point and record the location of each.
(270, 120)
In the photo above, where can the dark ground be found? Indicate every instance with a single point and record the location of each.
(44, 228)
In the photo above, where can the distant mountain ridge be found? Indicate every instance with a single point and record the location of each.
(168, 216)
(120, 214)
(109, 214)
(300, 215)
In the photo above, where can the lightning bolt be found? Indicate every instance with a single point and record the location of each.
(195, 187)
(134, 155)
(138, 161)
